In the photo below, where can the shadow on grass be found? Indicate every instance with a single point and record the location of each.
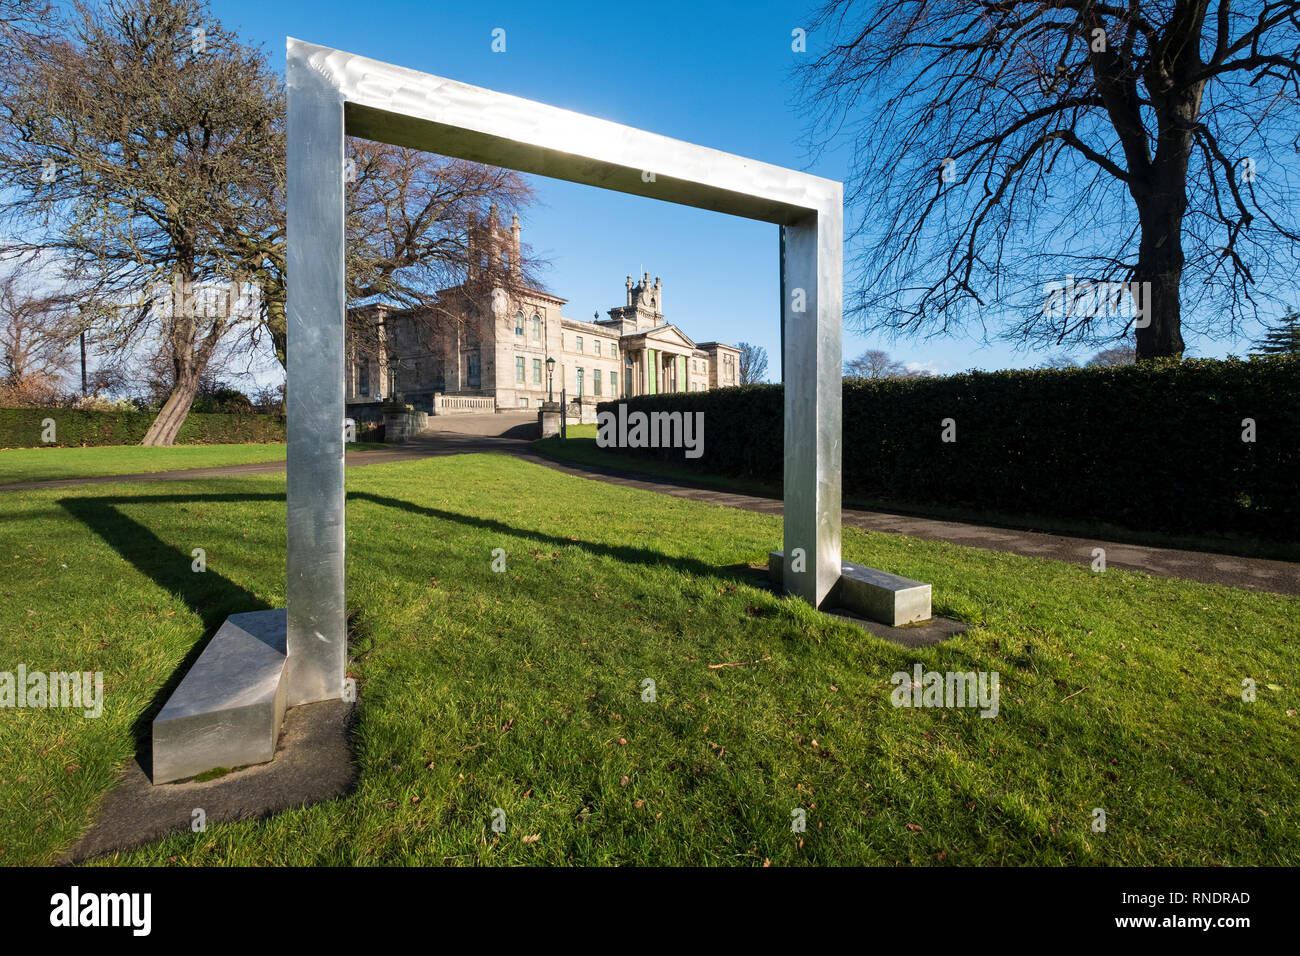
(214, 597)
(210, 595)
(625, 553)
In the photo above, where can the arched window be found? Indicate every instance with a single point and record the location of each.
(537, 328)
(519, 323)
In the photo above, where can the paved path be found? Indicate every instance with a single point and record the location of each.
(1259, 574)
(508, 433)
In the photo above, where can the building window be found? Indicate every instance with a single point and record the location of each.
(537, 371)
(613, 383)
(539, 403)
(519, 324)
(580, 371)
(595, 382)
(597, 346)
(578, 346)
(519, 368)
(474, 370)
(523, 402)
(537, 328)
(363, 378)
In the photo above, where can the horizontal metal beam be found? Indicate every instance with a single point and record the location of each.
(392, 104)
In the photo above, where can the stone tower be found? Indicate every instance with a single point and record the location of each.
(644, 309)
(492, 247)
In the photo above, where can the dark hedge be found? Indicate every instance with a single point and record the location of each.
(1155, 446)
(22, 428)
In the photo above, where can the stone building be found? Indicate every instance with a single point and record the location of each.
(489, 351)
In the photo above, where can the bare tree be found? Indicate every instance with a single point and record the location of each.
(1059, 360)
(145, 144)
(410, 215)
(753, 363)
(22, 22)
(1109, 358)
(35, 333)
(1004, 145)
(874, 363)
(128, 139)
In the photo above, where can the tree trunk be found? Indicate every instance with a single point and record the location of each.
(1161, 196)
(276, 322)
(174, 411)
(1160, 263)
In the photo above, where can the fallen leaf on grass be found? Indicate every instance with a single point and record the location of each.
(714, 667)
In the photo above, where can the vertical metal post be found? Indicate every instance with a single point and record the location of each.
(317, 628)
(781, 312)
(811, 264)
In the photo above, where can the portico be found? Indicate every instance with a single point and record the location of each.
(662, 359)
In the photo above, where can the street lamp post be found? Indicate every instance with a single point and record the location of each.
(550, 372)
(393, 361)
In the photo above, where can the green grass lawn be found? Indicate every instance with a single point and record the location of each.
(48, 464)
(522, 690)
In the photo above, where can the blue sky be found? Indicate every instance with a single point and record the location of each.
(716, 74)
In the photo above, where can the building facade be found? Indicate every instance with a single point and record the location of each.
(490, 349)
